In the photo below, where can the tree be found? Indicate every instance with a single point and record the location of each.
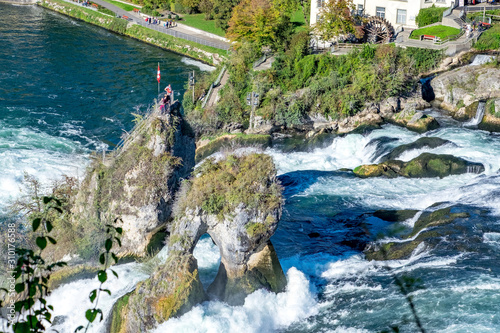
(222, 11)
(263, 22)
(336, 19)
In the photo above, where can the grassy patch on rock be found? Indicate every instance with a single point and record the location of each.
(220, 186)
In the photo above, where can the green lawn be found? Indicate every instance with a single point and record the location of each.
(490, 39)
(122, 5)
(440, 31)
(198, 21)
(297, 20)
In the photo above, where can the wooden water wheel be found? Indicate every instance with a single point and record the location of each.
(378, 30)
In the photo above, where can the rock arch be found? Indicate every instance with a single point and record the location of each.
(241, 214)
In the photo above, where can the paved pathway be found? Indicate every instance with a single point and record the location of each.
(178, 31)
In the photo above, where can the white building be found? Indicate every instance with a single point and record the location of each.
(397, 12)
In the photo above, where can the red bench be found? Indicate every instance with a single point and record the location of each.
(125, 17)
(136, 10)
(429, 37)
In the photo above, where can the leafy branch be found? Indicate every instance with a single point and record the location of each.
(106, 258)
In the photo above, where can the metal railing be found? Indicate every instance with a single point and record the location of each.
(450, 10)
(177, 34)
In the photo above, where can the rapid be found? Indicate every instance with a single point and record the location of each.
(68, 89)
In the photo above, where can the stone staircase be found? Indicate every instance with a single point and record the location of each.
(454, 19)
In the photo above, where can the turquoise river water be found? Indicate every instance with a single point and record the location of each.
(68, 88)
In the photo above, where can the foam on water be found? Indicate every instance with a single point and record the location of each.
(262, 311)
(202, 66)
(41, 155)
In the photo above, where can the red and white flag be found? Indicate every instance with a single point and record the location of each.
(158, 75)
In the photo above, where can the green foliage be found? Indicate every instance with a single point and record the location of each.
(336, 19)
(106, 11)
(32, 274)
(222, 11)
(106, 258)
(261, 22)
(220, 187)
(430, 15)
(489, 40)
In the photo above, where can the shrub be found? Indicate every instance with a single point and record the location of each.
(430, 15)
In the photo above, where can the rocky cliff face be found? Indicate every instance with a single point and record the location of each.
(137, 183)
(237, 201)
(458, 89)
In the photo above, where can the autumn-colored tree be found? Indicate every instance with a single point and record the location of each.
(336, 19)
(260, 21)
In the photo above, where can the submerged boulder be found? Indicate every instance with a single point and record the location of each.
(137, 182)
(432, 225)
(238, 202)
(425, 142)
(426, 165)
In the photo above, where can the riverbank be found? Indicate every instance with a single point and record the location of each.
(206, 54)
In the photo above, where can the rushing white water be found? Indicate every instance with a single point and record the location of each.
(39, 154)
(263, 311)
(482, 59)
(202, 66)
(478, 117)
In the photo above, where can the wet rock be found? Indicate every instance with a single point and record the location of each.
(491, 119)
(462, 87)
(424, 166)
(415, 121)
(395, 215)
(137, 182)
(425, 142)
(431, 227)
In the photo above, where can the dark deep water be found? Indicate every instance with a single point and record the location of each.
(68, 88)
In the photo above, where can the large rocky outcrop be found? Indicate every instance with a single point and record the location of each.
(137, 182)
(424, 166)
(458, 89)
(237, 201)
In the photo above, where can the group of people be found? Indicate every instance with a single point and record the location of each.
(167, 24)
(469, 28)
(166, 101)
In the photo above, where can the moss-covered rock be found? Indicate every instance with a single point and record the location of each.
(136, 183)
(426, 165)
(414, 121)
(491, 119)
(69, 274)
(231, 141)
(171, 291)
(425, 142)
(458, 90)
(118, 319)
(431, 227)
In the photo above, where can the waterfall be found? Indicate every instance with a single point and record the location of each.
(474, 169)
(479, 115)
(482, 59)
